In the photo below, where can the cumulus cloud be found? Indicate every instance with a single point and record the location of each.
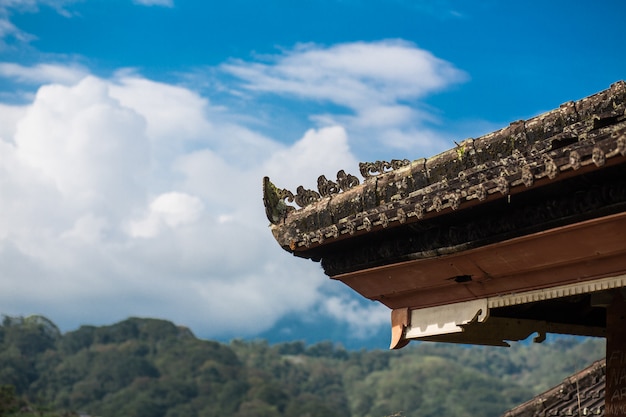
(129, 196)
(167, 210)
(379, 82)
(363, 319)
(99, 222)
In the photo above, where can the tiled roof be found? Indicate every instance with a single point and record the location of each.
(581, 394)
(535, 207)
(575, 138)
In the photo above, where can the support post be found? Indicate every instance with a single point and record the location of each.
(615, 395)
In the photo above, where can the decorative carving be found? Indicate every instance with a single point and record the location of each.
(551, 169)
(574, 160)
(401, 216)
(369, 169)
(437, 204)
(503, 185)
(488, 224)
(481, 192)
(346, 181)
(305, 197)
(419, 210)
(367, 224)
(384, 220)
(320, 237)
(326, 187)
(455, 201)
(539, 148)
(527, 176)
(274, 201)
(598, 157)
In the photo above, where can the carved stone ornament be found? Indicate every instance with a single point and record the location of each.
(305, 197)
(274, 201)
(346, 181)
(326, 187)
(369, 169)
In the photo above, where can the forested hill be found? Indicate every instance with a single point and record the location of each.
(152, 368)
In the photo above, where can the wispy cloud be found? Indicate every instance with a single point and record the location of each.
(164, 3)
(355, 75)
(33, 5)
(380, 83)
(43, 73)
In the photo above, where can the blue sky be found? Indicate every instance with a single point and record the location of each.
(134, 136)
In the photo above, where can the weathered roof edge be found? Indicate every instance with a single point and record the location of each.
(577, 136)
(579, 394)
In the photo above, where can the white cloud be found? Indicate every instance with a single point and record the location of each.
(130, 196)
(43, 73)
(363, 320)
(169, 209)
(170, 111)
(96, 225)
(356, 75)
(165, 3)
(379, 82)
(323, 151)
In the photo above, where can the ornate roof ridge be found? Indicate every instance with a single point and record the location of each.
(576, 137)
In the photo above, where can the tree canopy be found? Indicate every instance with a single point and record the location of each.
(153, 368)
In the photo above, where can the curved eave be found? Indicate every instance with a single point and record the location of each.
(575, 139)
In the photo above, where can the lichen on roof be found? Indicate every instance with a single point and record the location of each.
(574, 138)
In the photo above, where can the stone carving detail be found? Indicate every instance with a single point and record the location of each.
(574, 160)
(551, 169)
(320, 237)
(274, 201)
(367, 224)
(419, 210)
(326, 187)
(527, 176)
(346, 181)
(481, 192)
(401, 216)
(369, 169)
(598, 157)
(437, 204)
(384, 220)
(503, 185)
(305, 197)
(455, 201)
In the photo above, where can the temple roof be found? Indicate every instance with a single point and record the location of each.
(581, 394)
(578, 137)
(525, 223)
